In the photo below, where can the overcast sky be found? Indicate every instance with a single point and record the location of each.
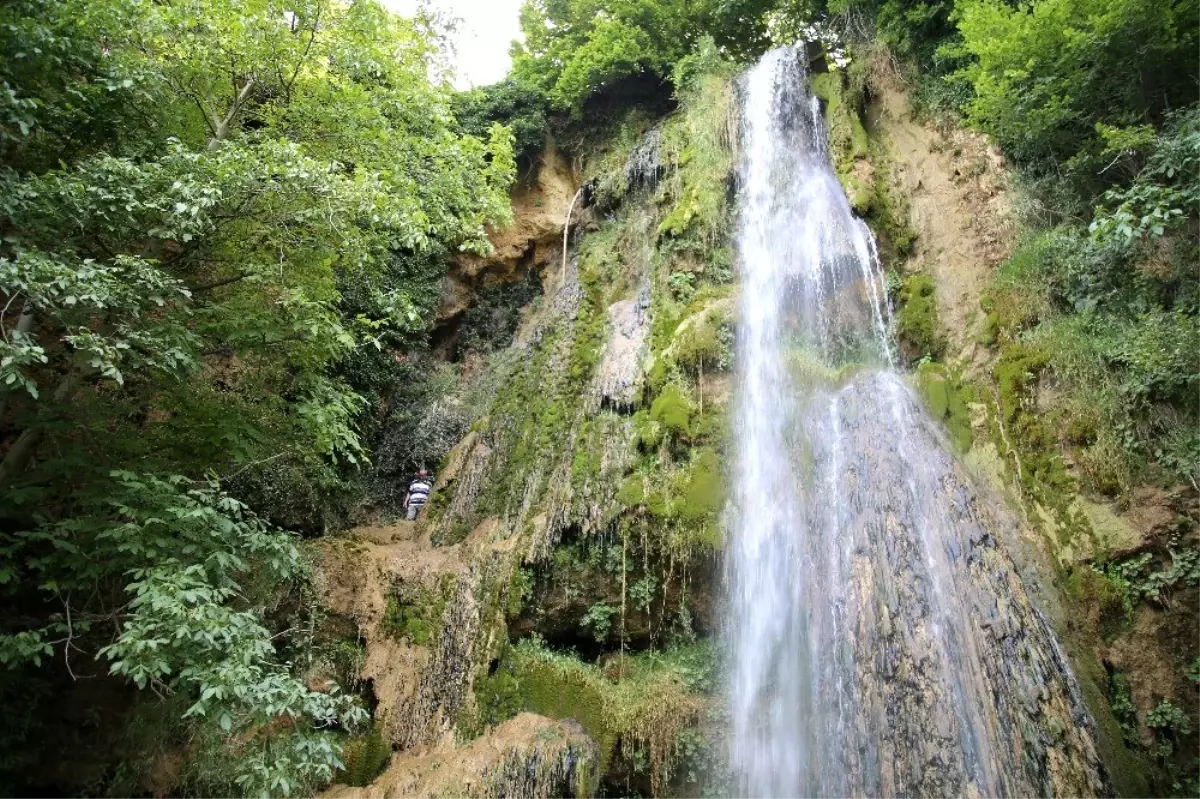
(487, 29)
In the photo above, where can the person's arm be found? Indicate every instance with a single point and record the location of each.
(407, 494)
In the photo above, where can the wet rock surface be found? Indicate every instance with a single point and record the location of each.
(420, 680)
(884, 642)
(933, 659)
(619, 376)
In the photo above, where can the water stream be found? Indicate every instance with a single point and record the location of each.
(882, 642)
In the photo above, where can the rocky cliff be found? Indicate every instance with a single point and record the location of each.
(550, 625)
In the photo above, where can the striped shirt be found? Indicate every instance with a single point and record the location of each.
(418, 491)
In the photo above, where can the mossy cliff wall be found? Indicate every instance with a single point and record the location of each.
(572, 548)
(1115, 552)
(567, 562)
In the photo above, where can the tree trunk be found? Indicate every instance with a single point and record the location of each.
(21, 452)
(24, 325)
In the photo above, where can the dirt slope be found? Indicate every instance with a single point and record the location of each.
(959, 207)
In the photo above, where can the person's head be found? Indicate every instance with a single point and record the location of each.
(422, 473)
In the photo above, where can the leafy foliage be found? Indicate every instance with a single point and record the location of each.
(574, 49)
(218, 222)
(1164, 195)
(200, 568)
(1050, 77)
(517, 105)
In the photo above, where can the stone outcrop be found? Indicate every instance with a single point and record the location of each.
(420, 672)
(532, 242)
(619, 376)
(942, 655)
(526, 756)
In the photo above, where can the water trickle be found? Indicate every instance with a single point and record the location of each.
(881, 642)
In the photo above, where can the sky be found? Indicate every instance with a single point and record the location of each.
(487, 29)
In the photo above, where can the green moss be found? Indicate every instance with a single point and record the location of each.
(682, 215)
(696, 141)
(917, 323)
(947, 396)
(364, 757)
(520, 589)
(847, 136)
(703, 489)
(586, 459)
(1016, 373)
(564, 690)
(658, 504)
(632, 491)
(417, 615)
(705, 336)
(672, 409)
(1128, 772)
(497, 699)
(888, 215)
(1029, 439)
(625, 713)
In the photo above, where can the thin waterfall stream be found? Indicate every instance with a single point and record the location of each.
(882, 642)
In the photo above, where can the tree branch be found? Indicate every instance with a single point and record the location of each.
(24, 325)
(218, 283)
(222, 128)
(312, 35)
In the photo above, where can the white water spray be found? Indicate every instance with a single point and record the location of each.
(866, 593)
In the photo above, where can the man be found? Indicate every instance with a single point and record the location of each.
(418, 494)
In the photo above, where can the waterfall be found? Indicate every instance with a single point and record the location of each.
(881, 641)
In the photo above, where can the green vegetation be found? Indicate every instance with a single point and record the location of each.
(219, 223)
(847, 138)
(947, 397)
(520, 107)
(418, 617)
(576, 49)
(365, 757)
(1138, 578)
(917, 325)
(223, 233)
(641, 716)
(1083, 102)
(1169, 723)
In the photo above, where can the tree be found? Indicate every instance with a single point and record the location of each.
(575, 48)
(1046, 74)
(210, 212)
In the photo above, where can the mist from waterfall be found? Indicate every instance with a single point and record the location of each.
(880, 643)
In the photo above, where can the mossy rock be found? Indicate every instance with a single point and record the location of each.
(918, 325)
(848, 141)
(625, 707)
(416, 615)
(673, 409)
(633, 491)
(1016, 372)
(888, 213)
(947, 398)
(560, 691)
(702, 493)
(704, 336)
(364, 757)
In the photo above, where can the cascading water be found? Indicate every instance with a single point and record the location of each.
(881, 642)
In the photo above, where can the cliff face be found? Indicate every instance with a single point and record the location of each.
(581, 512)
(947, 198)
(569, 563)
(533, 242)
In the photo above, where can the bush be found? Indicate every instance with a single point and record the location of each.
(1094, 61)
(517, 104)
